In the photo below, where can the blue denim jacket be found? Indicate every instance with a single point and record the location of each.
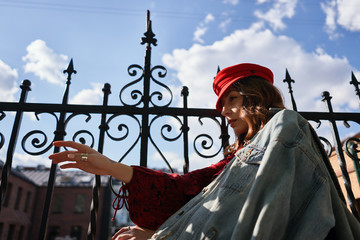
(276, 187)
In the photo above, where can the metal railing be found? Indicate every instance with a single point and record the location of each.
(144, 111)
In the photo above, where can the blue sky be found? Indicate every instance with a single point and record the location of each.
(317, 41)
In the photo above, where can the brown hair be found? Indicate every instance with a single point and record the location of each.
(259, 96)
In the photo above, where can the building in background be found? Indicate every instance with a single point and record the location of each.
(21, 212)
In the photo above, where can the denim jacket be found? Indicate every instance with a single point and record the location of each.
(276, 187)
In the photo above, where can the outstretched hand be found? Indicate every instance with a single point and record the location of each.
(92, 162)
(134, 232)
(95, 163)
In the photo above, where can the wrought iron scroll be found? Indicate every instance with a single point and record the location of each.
(327, 146)
(6, 169)
(35, 139)
(352, 149)
(168, 128)
(207, 141)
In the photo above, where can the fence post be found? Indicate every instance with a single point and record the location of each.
(59, 135)
(97, 182)
(148, 40)
(341, 159)
(185, 129)
(25, 88)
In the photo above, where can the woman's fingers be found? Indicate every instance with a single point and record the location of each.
(69, 165)
(119, 234)
(81, 154)
(80, 147)
(63, 156)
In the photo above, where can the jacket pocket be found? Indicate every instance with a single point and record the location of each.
(210, 234)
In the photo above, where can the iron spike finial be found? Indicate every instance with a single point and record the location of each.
(289, 80)
(355, 82)
(149, 35)
(70, 69)
(218, 70)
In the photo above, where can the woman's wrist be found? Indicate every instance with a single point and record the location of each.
(120, 171)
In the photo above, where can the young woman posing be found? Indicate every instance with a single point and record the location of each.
(272, 184)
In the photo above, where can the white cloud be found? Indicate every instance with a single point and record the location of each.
(280, 9)
(197, 66)
(344, 13)
(29, 160)
(202, 28)
(8, 84)
(209, 18)
(89, 96)
(199, 33)
(349, 16)
(329, 9)
(24, 159)
(224, 24)
(232, 2)
(44, 63)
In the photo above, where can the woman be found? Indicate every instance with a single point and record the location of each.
(272, 185)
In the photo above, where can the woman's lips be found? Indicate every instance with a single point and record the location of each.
(231, 121)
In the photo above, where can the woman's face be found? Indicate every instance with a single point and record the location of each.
(232, 102)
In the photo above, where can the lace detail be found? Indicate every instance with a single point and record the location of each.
(120, 200)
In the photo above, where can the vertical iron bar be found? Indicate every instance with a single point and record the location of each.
(341, 159)
(59, 135)
(6, 170)
(224, 129)
(356, 83)
(97, 183)
(185, 129)
(224, 134)
(149, 39)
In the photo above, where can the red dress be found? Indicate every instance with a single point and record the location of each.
(153, 196)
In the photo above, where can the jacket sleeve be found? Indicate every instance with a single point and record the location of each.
(153, 196)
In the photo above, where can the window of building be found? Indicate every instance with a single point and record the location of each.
(11, 232)
(18, 197)
(8, 194)
(53, 232)
(27, 201)
(58, 203)
(79, 203)
(21, 233)
(75, 232)
(1, 229)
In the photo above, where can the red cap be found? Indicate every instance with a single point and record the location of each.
(226, 77)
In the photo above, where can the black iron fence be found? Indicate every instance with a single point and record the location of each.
(146, 107)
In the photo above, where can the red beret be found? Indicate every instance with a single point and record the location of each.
(226, 77)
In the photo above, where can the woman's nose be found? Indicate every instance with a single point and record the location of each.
(224, 111)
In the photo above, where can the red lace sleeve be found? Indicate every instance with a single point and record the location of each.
(153, 196)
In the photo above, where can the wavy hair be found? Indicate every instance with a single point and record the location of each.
(259, 96)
